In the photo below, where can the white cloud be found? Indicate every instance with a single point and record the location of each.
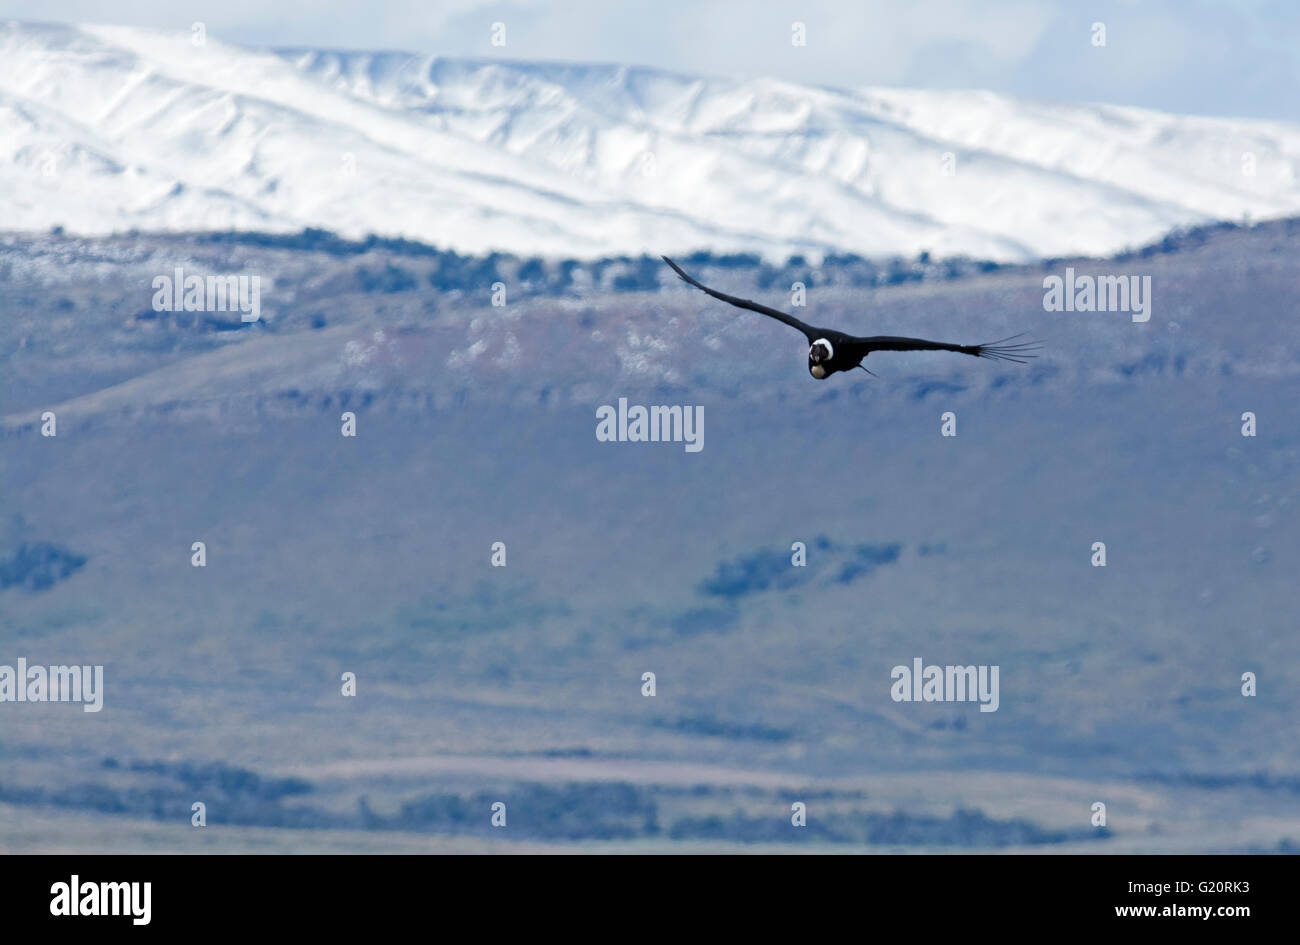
(1237, 57)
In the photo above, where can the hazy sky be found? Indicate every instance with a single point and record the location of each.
(1201, 56)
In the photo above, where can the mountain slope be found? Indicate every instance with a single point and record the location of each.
(108, 128)
(371, 555)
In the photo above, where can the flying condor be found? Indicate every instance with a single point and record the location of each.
(830, 351)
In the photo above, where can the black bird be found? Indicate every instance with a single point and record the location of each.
(831, 351)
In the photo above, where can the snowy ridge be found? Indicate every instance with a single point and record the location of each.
(105, 128)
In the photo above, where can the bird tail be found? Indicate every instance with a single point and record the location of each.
(1020, 352)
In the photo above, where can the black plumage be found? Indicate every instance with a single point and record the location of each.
(832, 351)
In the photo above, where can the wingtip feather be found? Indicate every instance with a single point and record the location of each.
(1019, 353)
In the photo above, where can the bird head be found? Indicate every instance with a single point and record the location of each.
(819, 356)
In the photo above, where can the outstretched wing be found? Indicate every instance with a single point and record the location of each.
(745, 303)
(996, 350)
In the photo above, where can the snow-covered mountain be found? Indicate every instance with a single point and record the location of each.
(105, 128)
